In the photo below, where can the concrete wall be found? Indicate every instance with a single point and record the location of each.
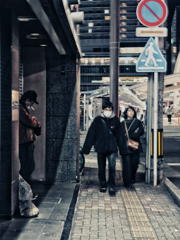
(61, 118)
(15, 114)
(77, 115)
(34, 73)
(9, 114)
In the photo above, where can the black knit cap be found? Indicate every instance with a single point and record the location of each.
(107, 104)
(31, 95)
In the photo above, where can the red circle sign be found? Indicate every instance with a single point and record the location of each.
(151, 13)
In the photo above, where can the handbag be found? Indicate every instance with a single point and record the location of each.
(37, 131)
(131, 143)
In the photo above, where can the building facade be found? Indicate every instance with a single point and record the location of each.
(39, 50)
(95, 36)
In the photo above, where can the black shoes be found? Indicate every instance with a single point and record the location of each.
(130, 184)
(103, 189)
(112, 191)
(127, 185)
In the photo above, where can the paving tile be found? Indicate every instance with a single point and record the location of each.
(135, 213)
(49, 236)
(27, 227)
(53, 228)
(23, 235)
(48, 225)
(139, 212)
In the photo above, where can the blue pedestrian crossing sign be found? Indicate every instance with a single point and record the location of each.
(151, 59)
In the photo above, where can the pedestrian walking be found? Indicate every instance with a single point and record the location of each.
(105, 134)
(138, 114)
(132, 129)
(169, 114)
(28, 126)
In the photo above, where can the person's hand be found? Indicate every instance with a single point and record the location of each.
(33, 118)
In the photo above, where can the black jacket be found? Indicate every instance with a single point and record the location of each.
(135, 132)
(106, 135)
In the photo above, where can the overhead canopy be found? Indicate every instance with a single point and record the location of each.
(46, 23)
(141, 88)
(137, 93)
(125, 95)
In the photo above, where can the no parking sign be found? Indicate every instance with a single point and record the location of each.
(152, 13)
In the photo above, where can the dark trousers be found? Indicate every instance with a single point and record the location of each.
(169, 118)
(102, 168)
(130, 166)
(26, 156)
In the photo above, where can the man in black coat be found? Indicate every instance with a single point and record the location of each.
(105, 134)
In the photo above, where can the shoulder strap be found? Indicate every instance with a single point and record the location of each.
(126, 129)
(131, 124)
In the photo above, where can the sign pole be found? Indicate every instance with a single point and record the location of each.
(114, 55)
(148, 129)
(155, 120)
(155, 126)
(151, 60)
(85, 112)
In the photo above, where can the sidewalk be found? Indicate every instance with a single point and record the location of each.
(56, 208)
(175, 121)
(78, 211)
(139, 212)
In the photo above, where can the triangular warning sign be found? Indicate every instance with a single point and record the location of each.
(151, 59)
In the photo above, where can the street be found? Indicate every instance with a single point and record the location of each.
(172, 149)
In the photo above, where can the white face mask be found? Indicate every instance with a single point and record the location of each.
(107, 113)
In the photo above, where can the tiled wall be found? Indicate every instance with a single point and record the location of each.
(34, 75)
(61, 118)
(5, 115)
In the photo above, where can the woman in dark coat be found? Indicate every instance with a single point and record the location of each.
(131, 160)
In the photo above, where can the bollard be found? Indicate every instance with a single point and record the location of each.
(160, 158)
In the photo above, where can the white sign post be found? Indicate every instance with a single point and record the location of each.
(152, 13)
(155, 122)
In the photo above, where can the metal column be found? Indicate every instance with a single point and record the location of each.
(148, 129)
(155, 126)
(155, 121)
(85, 112)
(114, 55)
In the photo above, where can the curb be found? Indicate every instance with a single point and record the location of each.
(174, 191)
(69, 218)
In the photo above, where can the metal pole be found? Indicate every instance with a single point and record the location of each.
(84, 112)
(155, 121)
(87, 114)
(114, 55)
(148, 129)
(155, 125)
